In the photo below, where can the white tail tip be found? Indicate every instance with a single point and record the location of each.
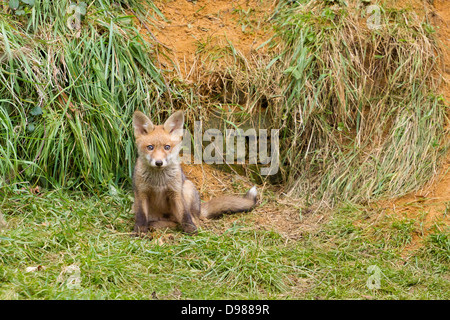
(253, 192)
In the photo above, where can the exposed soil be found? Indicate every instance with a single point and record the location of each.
(442, 20)
(190, 25)
(291, 220)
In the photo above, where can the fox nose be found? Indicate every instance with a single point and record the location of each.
(159, 163)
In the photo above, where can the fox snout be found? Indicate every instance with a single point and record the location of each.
(158, 158)
(156, 163)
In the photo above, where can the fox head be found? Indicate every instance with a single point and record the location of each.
(158, 145)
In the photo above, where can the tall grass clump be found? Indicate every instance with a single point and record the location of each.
(67, 94)
(362, 117)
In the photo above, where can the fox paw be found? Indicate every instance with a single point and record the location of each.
(189, 228)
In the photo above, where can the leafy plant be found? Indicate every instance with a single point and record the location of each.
(21, 7)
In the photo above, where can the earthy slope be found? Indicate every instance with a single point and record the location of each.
(191, 26)
(429, 207)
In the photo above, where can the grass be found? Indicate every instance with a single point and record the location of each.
(95, 236)
(354, 106)
(67, 95)
(57, 229)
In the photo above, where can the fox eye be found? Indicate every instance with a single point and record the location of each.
(150, 147)
(166, 147)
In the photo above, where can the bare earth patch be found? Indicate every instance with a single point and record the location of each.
(190, 24)
(275, 212)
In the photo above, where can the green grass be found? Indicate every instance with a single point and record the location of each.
(67, 96)
(58, 229)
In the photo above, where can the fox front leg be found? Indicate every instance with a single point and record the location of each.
(140, 217)
(182, 213)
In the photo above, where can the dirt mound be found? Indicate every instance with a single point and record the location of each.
(188, 26)
(428, 207)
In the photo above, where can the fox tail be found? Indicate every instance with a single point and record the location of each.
(216, 207)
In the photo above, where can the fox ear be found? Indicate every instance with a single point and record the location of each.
(174, 122)
(141, 123)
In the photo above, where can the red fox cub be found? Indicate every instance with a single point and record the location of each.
(163, 196)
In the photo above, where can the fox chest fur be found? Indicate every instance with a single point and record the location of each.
(156, 188)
